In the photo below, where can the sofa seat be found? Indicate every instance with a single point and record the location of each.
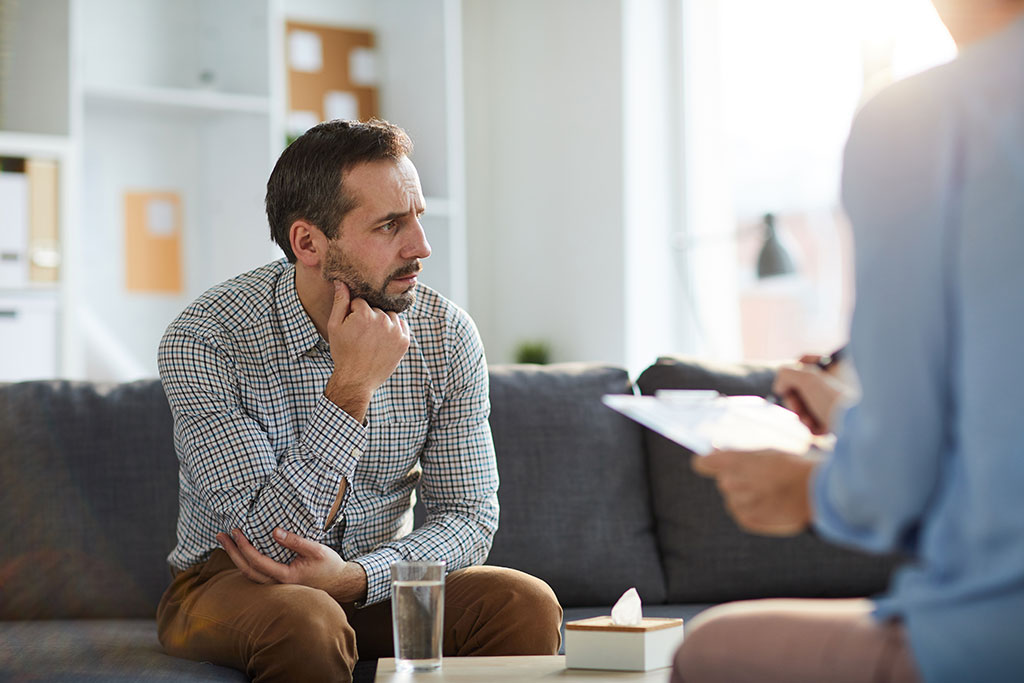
(107, 650)
(96, 650)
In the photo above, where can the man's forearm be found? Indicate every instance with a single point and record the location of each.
(351, 586)
(352, 397)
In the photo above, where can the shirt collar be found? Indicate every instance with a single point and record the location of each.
(300, 335)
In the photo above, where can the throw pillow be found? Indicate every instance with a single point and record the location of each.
(575, 502)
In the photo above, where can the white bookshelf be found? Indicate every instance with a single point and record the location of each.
(169, 96)
(189, 96)
(34, 63)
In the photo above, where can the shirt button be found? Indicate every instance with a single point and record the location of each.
(356, 453)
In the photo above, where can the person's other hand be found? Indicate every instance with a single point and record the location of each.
(810, 393)
(766, 492)
(315, 565)
(367, 344)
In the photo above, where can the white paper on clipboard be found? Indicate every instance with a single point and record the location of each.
(705, 420)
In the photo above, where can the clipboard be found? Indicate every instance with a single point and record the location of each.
(703, 421)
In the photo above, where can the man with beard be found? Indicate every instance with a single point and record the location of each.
(310, 396)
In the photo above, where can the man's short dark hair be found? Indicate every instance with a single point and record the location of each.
(306, 183)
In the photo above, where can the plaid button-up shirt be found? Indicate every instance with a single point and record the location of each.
(259, 445)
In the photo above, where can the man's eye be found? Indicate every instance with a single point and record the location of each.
(389, 227)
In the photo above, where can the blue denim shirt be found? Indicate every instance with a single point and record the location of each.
(931, 459)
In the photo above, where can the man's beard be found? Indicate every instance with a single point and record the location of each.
(337, 267)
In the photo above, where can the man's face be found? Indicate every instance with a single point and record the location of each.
(380, 242)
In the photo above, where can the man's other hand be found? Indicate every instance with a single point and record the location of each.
(315, 565)
(811, 393)
(766, 492)
(367, 344)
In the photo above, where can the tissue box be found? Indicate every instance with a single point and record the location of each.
(597, 643)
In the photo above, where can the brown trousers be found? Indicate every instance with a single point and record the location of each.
(280, 632)
(792, 641)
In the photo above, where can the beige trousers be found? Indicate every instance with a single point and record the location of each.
(279, 632)
(794, 641)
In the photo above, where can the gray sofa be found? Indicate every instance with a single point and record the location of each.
(590, 502)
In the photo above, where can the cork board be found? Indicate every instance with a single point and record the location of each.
(152, 242)
(330, 64)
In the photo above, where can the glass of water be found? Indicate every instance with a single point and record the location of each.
(417, 614)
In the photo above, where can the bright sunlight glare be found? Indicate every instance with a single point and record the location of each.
(793, 73)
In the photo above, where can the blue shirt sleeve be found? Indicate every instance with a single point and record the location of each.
(874, 490)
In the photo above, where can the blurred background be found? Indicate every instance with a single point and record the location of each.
(606, 179)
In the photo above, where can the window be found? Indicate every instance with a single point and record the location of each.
(770, 89)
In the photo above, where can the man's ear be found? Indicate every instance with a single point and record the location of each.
(308, 243)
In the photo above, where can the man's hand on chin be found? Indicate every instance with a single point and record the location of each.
(367, 344)
(315, 565)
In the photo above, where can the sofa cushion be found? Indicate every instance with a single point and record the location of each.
(89, 501)
(707, 557)
(96, 650)
(575, 502)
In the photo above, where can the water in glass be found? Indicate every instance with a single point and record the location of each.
(418, 615)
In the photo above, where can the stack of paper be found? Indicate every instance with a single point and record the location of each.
(705, 420)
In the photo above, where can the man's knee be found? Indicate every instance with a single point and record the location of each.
(530, 598)
(511, 612)
(309, 639)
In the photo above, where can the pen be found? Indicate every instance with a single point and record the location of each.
(825, 362)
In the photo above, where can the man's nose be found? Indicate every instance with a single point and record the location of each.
(417, 247)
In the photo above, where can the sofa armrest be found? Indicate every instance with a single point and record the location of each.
(89, 500)
(685, 372)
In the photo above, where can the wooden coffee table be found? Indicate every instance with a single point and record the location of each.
(509, 669)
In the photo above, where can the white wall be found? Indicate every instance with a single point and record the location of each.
(652, 102)
(708, 302)
(544, 166)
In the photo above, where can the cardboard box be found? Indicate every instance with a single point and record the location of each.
(597, 643)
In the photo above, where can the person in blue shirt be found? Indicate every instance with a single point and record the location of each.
(929, 460)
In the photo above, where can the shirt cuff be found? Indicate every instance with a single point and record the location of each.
(823, 517)
(335, 437)
(377, 566)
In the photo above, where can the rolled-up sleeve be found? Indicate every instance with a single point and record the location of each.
(227, 454)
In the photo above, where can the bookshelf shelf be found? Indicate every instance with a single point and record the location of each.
(33, 145)
(178, 99)
(31, 292)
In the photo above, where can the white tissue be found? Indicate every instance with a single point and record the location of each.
(628, 610)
